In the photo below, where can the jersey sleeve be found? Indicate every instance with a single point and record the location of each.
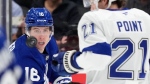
(8, 69)
(96, 51)
(52, 49)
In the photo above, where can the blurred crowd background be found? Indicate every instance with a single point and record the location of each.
(66, 15)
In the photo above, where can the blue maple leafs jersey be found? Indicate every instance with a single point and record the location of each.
(10, 72)
(36, 66)
(115, 46)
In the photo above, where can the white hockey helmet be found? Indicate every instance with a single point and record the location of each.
(87, 3)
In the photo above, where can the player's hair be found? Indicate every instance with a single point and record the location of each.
(120, 3)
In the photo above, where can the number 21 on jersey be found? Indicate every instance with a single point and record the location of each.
(88, 29)
(114, 67)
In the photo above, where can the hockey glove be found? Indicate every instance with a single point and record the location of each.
(64, 63)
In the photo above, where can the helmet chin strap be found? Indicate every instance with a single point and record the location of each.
(94, 4)
(27, 33)
(109, 3)
(51, 33)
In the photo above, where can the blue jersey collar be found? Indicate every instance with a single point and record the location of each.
(117, 9)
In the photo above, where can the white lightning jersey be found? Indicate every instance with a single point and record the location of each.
(115, 46)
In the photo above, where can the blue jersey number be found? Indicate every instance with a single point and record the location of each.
(114, 67)
(91, 30)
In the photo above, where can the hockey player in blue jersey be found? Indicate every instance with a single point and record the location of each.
(114, 45)
(34, 50)
(10, 72)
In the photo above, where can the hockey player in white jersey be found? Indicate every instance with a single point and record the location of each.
(114, 45)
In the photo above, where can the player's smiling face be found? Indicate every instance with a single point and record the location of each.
(42, 34)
